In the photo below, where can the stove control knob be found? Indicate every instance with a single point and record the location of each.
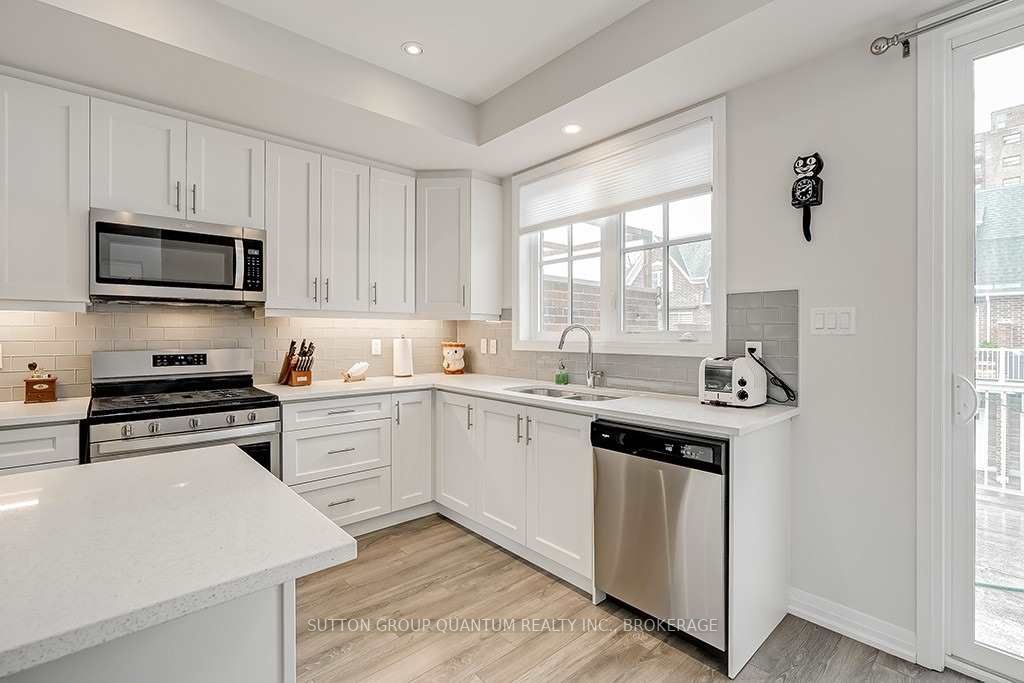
(251, 416)
(127, 431)
(154, 427)
(193, 423)
(230, 419)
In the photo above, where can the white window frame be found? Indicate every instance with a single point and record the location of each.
(611, 339)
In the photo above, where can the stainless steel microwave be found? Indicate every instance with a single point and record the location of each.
(134, 257)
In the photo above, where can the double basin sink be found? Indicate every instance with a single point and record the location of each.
(568, 394)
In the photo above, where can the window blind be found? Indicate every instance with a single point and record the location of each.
(672, 162)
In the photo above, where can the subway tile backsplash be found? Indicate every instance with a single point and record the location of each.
(62, 342)
(769, 317)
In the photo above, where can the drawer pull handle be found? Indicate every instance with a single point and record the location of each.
(341, 502)
(341, 412)
(342, 450)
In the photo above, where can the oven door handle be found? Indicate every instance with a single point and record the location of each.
(193, 439)
(239, 264)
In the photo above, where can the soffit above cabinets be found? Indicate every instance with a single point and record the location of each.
(216, 61)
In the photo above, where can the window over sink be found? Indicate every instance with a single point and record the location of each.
(627, 237)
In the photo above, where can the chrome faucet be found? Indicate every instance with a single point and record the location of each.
(592, 374)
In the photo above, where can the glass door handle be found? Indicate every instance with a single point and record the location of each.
(965, 398)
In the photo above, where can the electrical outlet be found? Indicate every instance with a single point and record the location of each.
(494, 346)
(483, 346)
(375, 349)
(756, 345)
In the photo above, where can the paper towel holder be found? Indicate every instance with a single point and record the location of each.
(402, 357)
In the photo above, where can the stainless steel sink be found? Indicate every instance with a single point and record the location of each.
(569, 394)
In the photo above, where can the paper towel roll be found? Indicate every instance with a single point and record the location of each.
(403, 357)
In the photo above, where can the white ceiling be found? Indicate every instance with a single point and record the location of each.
(472, 50)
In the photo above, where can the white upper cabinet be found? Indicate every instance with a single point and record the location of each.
(392, 242)
(293, 228)
(502, 457)
(411, 451)
(138, 160)
(346, 235)
(458, 247)
(225, 177)
(44, 195)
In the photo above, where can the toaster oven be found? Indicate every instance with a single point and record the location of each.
(732, 381)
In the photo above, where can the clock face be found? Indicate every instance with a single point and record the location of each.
(803, 190)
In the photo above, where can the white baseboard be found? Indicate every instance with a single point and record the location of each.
(897, 641)
(390, 519)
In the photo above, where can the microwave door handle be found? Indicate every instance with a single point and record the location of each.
(239, 264)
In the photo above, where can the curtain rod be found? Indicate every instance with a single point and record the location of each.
(882, 44)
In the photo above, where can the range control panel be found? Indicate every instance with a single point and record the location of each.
(168, 360)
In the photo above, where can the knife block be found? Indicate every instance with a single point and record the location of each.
(300, 378)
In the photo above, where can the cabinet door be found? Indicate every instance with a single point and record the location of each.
(44, 193)
(312, 454)
(350, 498)
(502, 480)
(560, 488)
(346, 235)
(293, 228)
(442, 247)
(456, 468)
(138, 160)
(392, 242)
(226, 177)
(411, 460)
(37, 446)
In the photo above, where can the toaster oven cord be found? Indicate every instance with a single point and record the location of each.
(775, 380)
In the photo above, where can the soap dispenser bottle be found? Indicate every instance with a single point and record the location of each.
(561, 374)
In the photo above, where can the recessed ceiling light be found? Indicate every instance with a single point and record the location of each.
(571, 128)
(412, 48)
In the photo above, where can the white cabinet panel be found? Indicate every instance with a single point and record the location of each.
(456, 460)
(31, 446)
(443, 246)
(44, 193)
(411, 452)
(502, 457)
(352, 498)
(560, 488)
(293, 228)
(311, 454)
(335, 411)
(225, 177)
(392, 242)
(138, 160)
(346, 235)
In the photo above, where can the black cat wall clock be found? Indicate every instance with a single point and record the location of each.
(807, 187)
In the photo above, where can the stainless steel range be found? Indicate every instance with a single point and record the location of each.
(148, 402)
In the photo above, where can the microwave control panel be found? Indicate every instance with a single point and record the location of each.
(253, 266)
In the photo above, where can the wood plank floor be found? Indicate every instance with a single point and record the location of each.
(433, 569)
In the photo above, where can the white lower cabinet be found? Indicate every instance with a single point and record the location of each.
(312, 454)
(560, 488)
(350, 498)
(502, 459)
(34, 448)
(456, 462)
(411, 454)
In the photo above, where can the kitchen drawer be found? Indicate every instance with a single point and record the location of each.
(312, 454)
(336, 411)
(352, 498)
(38, 445)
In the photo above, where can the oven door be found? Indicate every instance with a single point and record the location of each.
(261, 442)
(136, 257)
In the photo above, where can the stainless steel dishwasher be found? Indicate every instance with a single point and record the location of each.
(660, 525)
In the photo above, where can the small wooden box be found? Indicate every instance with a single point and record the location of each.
(41, 390)
(300, 378)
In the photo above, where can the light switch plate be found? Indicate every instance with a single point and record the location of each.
(834, 320)
(483, 346)
(494, 346)
(375, 347)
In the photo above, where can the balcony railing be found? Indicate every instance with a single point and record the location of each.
(1000, 365)
(999, 429)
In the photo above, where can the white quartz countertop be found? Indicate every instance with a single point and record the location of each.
(19, 414)
(661, 410)
(95, 552)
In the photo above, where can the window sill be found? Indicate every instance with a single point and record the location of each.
(673, 347)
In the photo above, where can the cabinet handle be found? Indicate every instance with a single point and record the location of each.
(327, 290)
(398, 412)
(314, 288)
(519, 427)
(469, 416)
(374, 301)
(177, 196)
(341, 502)
(528, 437)
(194, 198)
(342, 450)
(341, 412)
(463, 296)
